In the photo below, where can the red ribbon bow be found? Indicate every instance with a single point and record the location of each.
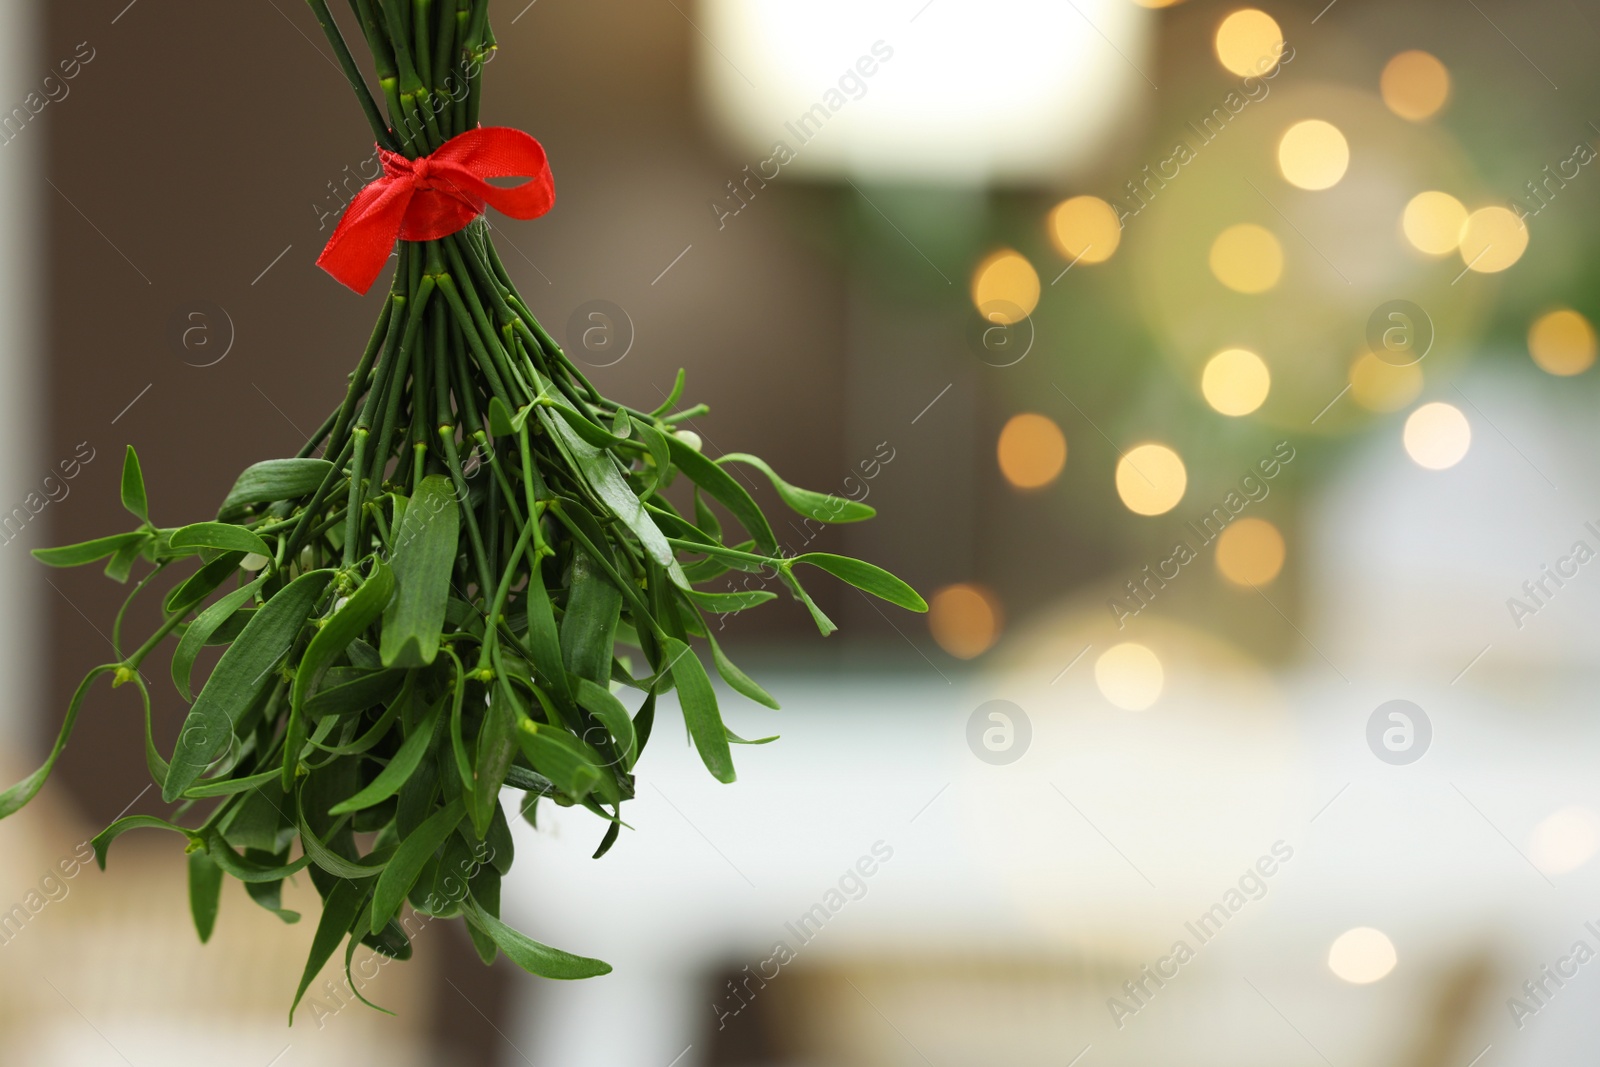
(433, 196)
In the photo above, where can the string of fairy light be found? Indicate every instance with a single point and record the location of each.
(1313, 155)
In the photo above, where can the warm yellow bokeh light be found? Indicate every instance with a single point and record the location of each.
(1129, 676)
(1433, 222)
(1565, 840)
(1362, 956)
(1236, 381)
(1313, 154)
(1562, 342)
(1085, 229)
(1247, 258)
(1414, 85)
(1380, 386)
(1032, 451)
(1250, 552)
(964, 619)
(1151, 479)
(1005, 287)
(1249, 42)
(1437, 435)
(1492, 239)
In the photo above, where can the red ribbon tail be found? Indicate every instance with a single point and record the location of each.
(356, 253)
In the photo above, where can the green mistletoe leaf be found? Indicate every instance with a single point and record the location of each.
(573, 766)
(594, 607)
(699, 703)
(532, 956)
(89, 551)
(737, 680)
(340, 907)
(205, 893)
(399, 769)
(203, 582)
(722, 488)
(404, 867)
(599, 469)
(200, 631)
(496, 748)
(221, 535)
(274, 479)
(866, 577)
(133, 495)
(348, 622)
(246, 669)
(820, 506)
(424, 556)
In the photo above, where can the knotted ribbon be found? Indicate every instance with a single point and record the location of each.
(434, 196)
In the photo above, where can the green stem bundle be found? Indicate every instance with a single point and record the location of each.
(473, 499)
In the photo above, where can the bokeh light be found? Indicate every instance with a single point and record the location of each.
(1415, 85)
(1313, 154)
(1250, 551)
(1157, 3)
(1130, 676)
(1362, 956)
(1085, 229)
(965, 620)
(1249, 42)
(1437, 435)
(1032, 451)
(1433, 222)
(1151, 479)
(1492, 239)
(1380, 386)
(1562, 342)
(1005, 287)
(1565, 840)
(1247, 258)
(1235, 381)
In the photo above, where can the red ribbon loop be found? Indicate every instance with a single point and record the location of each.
(436, 195)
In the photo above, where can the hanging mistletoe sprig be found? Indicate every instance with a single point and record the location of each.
(455, 585)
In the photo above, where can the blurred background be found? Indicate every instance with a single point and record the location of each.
(1221, 374)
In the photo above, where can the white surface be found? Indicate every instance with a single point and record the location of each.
(1000, 863)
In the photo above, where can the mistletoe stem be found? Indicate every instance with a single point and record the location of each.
(319, 436)
(352, 73)
(172, 623)
(116, 624)
(491, 634)
(387, 323)
(422, 51)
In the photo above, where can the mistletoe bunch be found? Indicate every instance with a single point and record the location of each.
(469, 580)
